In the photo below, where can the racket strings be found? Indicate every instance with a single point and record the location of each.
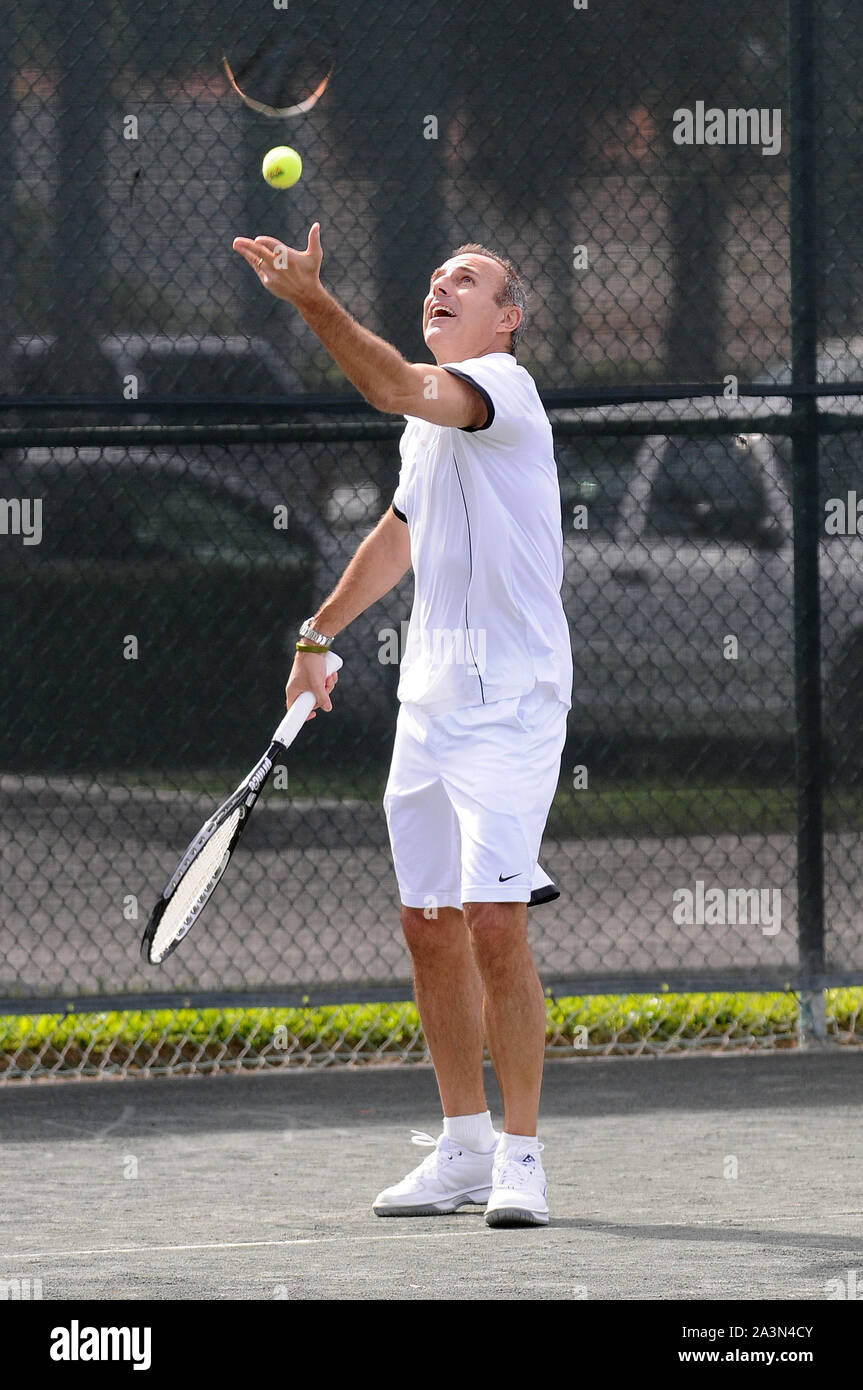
(195, 887)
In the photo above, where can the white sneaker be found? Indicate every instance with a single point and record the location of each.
(518, 1192)
(447, 1179)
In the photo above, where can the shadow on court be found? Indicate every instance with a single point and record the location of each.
(732, 1177)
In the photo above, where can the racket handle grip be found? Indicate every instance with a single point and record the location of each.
(302, 708)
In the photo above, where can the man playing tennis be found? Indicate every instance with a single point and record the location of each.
(485, 685)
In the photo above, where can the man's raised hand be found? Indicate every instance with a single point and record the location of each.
(286, 273)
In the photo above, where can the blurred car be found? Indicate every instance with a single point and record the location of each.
(152, 622)
(679, 583)
(171, 366)
(332, 492)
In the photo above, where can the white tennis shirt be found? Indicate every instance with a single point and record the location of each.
(483, 512)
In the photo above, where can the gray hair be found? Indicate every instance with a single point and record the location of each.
(512, 290)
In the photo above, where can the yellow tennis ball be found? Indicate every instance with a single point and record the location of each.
(282, 166)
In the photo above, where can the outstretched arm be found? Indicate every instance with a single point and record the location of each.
(381, 561)
(378, 371)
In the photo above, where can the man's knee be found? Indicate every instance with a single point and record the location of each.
(483, 918)
(432, 929)
(496, 929)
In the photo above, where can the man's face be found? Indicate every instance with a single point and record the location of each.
(460, 316)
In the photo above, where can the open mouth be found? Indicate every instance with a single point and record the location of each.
(441, 311)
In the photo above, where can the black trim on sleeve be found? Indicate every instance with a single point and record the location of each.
(547, 894)
(401, 516)
(489, 403)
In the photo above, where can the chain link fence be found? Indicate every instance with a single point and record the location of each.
(184, 475)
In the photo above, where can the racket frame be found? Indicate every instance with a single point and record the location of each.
(299, 109)
(244, 798)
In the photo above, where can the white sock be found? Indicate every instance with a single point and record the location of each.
(476, 1132)
(517, 1141)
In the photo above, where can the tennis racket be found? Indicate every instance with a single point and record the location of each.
(197, 875)
(279, 65)
(262, 76)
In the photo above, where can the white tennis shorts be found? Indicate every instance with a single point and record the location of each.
(467, 800)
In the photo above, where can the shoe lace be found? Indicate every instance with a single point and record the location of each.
(429, 1165)
(517, 1169)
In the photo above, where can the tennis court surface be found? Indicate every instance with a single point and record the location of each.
(707, 1178)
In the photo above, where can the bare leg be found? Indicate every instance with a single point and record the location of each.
(448, 992)
(513, 1008)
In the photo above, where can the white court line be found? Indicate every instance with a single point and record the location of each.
(11, 1255)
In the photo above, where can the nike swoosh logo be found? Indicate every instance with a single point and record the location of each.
(501, 879)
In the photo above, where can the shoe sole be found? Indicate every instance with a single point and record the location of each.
(432, 1209)
(515, 1216)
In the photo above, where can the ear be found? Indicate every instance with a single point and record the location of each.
(512, 317)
